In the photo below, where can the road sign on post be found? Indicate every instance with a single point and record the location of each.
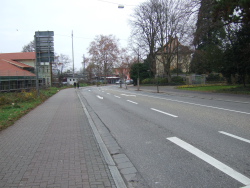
(44, 47)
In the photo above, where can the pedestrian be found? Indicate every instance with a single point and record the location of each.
(74, 84)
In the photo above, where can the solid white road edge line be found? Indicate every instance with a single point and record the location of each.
(117, 97)
(234, 136)
(132, 102)
(212, 161)
(164, 112)
(111, 164)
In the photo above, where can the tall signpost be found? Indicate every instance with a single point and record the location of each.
(73, 56)
(44, 47)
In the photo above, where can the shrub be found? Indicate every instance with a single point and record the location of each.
(161, 81)
(5, 100)
(25, 96)
(215, 78)
(148, 81)
(177, 80)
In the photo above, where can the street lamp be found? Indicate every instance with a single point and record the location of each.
(138, 78)
(120, 6)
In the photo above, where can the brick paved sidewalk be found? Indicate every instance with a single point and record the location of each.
(53, 146)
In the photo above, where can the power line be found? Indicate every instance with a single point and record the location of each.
(71, 36)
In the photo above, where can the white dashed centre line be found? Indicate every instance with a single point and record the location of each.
(117, 97)
(132, 102)
(234, 136)
(99, 97)
(210, 160)
(164, 112)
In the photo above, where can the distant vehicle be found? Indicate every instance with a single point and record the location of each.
(128, 82)
(118, 82)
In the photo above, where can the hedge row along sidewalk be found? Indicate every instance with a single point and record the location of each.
(14, 105)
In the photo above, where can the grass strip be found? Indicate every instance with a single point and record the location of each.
(233, 89)
(14, 105)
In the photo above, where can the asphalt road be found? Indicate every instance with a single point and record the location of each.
(178, 141)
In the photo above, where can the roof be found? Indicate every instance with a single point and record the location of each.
(9, 65)
(18, 56)
(8, 69)
(16, 63)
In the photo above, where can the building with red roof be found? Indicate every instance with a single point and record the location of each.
(17, 71)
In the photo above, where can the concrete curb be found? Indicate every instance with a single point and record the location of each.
(113, 169)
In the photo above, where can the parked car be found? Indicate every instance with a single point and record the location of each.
(118, 82)
(128, 82)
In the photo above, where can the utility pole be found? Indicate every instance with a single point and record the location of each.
(177, 56)
(73, 56)
(83, 61)
(138, 73)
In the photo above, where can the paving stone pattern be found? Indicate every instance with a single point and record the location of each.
(53, 146)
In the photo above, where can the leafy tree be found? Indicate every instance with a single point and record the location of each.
(237, 57)
(208, 40)
(236, 16)
(233, 11)
(139, 70)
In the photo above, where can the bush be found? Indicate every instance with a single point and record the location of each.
(161, 81)
(148, 81)
(177, 80)
(25, 96)
(5, 100)
(215, 78)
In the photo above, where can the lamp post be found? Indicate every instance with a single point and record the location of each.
(73, 56)
(138, 78)
(138, 74)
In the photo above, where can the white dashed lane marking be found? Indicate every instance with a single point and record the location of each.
(234, 136)
(164, 112)
(210, 160)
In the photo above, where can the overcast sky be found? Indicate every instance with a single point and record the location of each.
(87, 18)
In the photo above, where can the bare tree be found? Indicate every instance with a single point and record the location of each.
(91, 71)
(60, 64)
(172, 22)
(29, 47)
(104, 53)
(124, 63)
(144, 31)
(85, 62)
(159, 25)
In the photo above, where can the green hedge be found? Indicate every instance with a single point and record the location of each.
(163, 81)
